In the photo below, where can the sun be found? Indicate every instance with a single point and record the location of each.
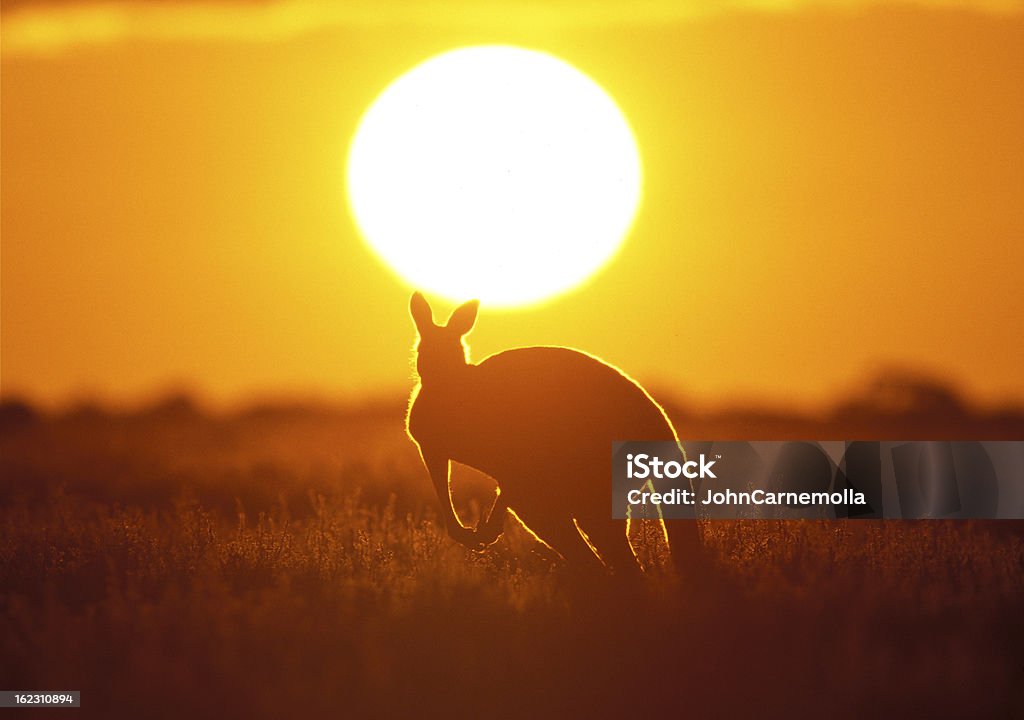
(494, 172)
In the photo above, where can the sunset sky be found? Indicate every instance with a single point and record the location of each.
(828, 189)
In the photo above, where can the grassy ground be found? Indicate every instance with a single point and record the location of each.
(289, 565)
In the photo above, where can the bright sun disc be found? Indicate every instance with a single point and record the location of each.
(494, 172)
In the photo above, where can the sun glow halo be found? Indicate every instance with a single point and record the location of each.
(494, 172)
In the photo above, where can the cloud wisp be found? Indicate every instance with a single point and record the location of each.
(51, 29)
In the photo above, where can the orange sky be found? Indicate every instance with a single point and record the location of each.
(826, 192)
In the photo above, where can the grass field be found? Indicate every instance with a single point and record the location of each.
(286, 563)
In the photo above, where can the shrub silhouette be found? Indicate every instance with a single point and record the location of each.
(540, 421)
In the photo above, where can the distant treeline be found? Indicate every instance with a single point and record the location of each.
(893, 405)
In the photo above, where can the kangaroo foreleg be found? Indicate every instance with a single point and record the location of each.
(489, 530)
(439, 468)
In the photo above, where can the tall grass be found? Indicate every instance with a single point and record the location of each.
(194, 571)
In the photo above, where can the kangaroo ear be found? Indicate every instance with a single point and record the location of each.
(421, 313)
(463, 317)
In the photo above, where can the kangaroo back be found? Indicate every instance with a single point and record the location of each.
(542, 409)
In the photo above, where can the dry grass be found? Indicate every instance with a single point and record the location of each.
(278, 568)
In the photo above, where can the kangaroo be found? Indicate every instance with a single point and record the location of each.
(540, 421)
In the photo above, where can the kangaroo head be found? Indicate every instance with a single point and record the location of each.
(441, 350)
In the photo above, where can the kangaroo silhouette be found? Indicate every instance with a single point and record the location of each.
(540, 421)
